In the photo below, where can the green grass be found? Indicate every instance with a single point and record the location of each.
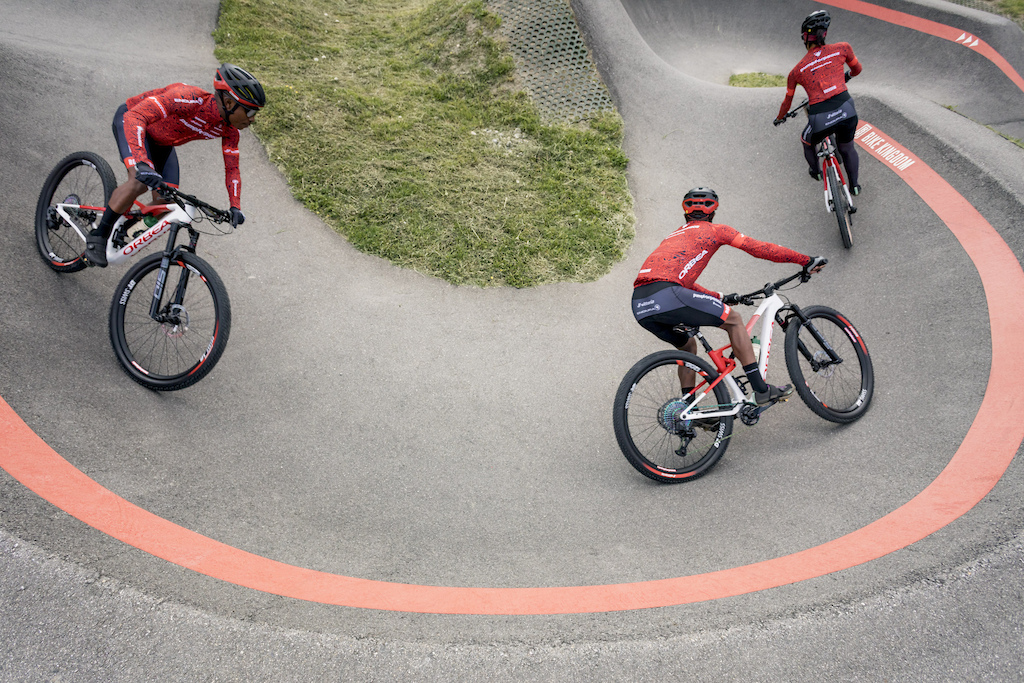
(1012, 8)
(757, 80)
(399, 123)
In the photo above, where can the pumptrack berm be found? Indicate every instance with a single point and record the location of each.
(390, 477)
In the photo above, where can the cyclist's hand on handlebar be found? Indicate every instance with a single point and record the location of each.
(848, 76)
(731, 299)
(778, 121)
(237, 217)
(146, 175)
(816, 264)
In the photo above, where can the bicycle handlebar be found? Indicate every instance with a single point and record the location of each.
(211, 212)
(791, 114)
(750, 299)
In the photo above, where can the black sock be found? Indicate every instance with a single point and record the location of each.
(756, 381)
(106, 223)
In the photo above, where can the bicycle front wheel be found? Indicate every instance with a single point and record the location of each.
(829, 364)
(648, 427)
(841, 206)
(183, 342)
(83, 181)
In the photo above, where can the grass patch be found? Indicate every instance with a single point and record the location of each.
(398, 123)
(757, 80)
(1012, 8)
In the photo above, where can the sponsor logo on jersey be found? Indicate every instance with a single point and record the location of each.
(694, 261)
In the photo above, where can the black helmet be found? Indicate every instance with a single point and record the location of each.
(700, 201)
(815, 26)
(242, 85)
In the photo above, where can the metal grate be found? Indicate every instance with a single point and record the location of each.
(989, 6)
(552, 59)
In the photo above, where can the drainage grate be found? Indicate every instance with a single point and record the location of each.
(990, 6)
(552, 59)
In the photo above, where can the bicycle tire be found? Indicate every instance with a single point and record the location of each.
(87, 178)
(837, 392)
(172, 355)
(647, 431)
(841, 206)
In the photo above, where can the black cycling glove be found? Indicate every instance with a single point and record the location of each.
(731, 299)
(816, 262)
(145, 174)
(237, 217)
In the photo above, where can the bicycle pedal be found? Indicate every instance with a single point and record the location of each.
(853, 209)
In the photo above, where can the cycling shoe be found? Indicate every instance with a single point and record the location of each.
(773, 394)
(96, 251)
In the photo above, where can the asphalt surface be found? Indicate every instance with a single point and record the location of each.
(376, 423)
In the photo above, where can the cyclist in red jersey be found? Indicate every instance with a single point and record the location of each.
(823, 75)
(666, 295)
(149, 126)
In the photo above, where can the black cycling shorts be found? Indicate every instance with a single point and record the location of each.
(165, 159)
(661, 306)
(842, 121)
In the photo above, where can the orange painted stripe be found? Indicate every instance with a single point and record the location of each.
(933, 28)
(989, 446)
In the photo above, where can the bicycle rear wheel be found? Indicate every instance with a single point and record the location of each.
(84, 181)
(646, 419)
(194, 318)
(838, 389)
(841, 206)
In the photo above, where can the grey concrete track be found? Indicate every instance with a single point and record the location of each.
(373, 422)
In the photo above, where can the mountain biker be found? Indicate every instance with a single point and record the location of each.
(666, 295)
(149, 126)
(830, 110)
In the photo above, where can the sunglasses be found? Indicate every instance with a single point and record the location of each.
(249, 112)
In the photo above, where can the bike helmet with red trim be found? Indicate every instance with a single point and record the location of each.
(700, 203)
(815, 27)
(241, 84)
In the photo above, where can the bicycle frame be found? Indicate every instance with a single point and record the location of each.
(768, 313)
(171, 214)
(828, 156)
(765, 314)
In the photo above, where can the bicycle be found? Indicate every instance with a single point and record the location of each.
(165, 336)
(673, 438)
(838, 199)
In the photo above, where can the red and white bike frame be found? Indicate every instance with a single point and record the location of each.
(830, 157)
(763, 320)
(167, 213)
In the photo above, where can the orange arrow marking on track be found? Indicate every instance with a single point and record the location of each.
(933, 28)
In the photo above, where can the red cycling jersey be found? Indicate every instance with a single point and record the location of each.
(178, 114)
(821, 73)
(684, 254)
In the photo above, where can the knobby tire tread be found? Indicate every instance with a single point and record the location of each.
(144, 287)
(63, 168)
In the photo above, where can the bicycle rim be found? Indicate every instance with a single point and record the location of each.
(654, 440)
(838, 392)
(181, 349)
(84, 181)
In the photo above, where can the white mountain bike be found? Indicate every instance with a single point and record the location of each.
(170, 316)
(671, 437)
